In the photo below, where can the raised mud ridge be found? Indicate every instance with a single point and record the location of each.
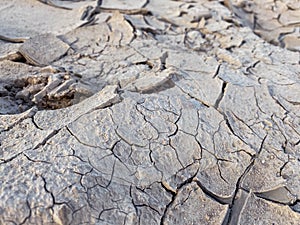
(149, 112)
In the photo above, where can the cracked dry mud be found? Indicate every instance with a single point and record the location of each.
(149, 112)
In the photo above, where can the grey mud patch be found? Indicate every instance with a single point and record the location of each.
(149, 112)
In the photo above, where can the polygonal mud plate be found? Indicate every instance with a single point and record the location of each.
(44, 49)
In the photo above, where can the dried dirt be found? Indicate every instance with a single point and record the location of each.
(149, 112)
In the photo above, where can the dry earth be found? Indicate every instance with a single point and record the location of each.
(149, 112)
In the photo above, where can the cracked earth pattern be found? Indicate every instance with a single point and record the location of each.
(149, 112)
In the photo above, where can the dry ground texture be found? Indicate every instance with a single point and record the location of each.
(150, 112)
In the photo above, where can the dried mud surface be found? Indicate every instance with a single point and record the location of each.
(149, 112)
